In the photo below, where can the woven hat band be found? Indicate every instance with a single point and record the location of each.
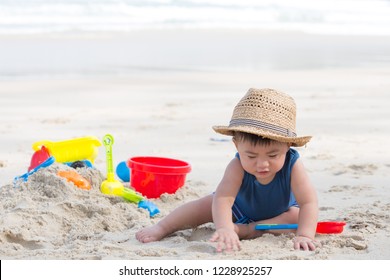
(263, 125)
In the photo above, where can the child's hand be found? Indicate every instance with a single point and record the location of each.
(227, 240)
(305, 243)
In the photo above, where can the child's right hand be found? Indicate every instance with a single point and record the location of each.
(304, 243)
(227, 239)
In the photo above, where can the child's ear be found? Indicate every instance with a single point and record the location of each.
(235, 142)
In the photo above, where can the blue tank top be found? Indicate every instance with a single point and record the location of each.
(259, 202)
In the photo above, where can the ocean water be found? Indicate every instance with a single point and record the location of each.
(341, 17)
(173, 35)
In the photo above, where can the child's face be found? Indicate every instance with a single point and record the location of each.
(262, 161)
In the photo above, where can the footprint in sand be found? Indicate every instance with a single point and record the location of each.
(355, 169)
(367, 169)
(201, 248)
(356, 242)
(201, 234)
(368, 221)
(18, 238)
(321, 157)
(353, 189)
(325, 208)
(152, 252)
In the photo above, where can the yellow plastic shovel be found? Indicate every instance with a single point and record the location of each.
(111, 186)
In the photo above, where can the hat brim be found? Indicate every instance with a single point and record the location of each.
(294, 141)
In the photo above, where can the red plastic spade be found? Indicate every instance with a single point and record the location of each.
(330, 227)
(38, 157)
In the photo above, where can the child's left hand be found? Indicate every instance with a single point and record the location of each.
(304, 243)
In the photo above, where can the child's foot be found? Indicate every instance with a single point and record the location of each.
(150, 234)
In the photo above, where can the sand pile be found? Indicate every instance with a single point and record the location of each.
(47, 212)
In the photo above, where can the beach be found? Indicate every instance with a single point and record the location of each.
(159, 92)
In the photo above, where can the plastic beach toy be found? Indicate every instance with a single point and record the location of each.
(25, 176)
(38, 157)
(330, 227)
(84, 148)
(74, 177)
(111, 186)
(153, 176)
(123, 171)
(325, 227)
(79, 164)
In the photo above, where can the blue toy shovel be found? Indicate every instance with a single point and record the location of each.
(25, 176)
(132, 196)
(324, 227)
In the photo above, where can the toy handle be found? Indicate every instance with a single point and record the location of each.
(108, 141)
(131, 195)
(275, 226)
(25, 176)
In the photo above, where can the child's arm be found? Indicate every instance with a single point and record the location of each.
(306, 197)
(223, 201)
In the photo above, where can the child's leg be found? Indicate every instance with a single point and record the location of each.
(189, 215)
(248, 231)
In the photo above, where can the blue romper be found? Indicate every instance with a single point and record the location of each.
(256, 202)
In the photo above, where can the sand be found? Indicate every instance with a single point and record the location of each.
(169, 112)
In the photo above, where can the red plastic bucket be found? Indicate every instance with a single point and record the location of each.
(153, 176)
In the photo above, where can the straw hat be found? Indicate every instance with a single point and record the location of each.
(268, 113)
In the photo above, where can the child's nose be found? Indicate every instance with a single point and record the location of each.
(262, 163)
